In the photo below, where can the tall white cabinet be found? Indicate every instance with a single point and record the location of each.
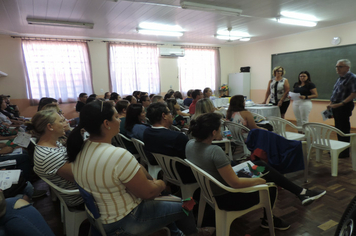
(240, 84)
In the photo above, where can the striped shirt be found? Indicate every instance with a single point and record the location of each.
(343, 87)
(102, 170)
(48, 161)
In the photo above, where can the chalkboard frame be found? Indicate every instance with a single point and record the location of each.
(320, 63)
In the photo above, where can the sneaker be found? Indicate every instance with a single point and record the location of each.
(206, 231)
(310, 196)
(278, 224)
(38, 193)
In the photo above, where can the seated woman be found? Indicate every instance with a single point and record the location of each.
(115, 97)
(213, 160)
(135, 121)
(238, 114)
(168, 95)
(6, 120)
(123, 194)
(203, 106)
(207, 92)
(131, 99)
(178, 119)
(50, 157)
(179, 97)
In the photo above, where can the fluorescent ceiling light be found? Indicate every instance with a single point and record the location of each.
(154, 26)
(299, 16)
(160, 29)
(59, 23)
(290, 21)
(159, 32)
(245, 39)
(227, 37)
(211, 8)
(233, 33)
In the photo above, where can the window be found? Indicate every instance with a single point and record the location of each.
(199, 68)
(134, 67)
(57, 69)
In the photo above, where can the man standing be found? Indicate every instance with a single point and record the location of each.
(160, 139)
(196, 95)
(342, 98)
(82, 101)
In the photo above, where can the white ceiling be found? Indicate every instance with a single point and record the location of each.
(119, 20)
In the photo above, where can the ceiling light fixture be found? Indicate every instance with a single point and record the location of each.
(33, 21)
(160, 29)
(299, 16)
(291, 21)
(232, 35)
(211, 8)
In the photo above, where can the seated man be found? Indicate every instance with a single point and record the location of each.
(160, 139)
(82, 101)
(188, 100)
(157, 98)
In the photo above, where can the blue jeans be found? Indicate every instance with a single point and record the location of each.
(150, 216)
(25, 220)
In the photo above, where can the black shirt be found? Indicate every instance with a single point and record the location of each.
(304, 90)
(79, 106)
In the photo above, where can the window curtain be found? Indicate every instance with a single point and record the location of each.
(199, 68)
(134, 67)
(57, 69)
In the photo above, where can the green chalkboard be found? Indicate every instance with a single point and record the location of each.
(320, 63)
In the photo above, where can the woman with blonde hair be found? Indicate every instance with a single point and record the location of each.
(278, 88)
(203, 106)
(50, 156)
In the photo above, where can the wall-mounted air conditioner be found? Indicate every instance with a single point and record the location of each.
(171, 52)
(2, 74)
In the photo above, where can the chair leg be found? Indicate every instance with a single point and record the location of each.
(306, 160)
(220, 219)
(318, 153)
(201, 210)
(334, 162)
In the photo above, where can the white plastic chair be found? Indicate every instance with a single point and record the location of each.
(258, 116)
(279, 127)
(239, 134)
(72, 218)
(118, 142)
(318, 137)
(225, 218)
(153, 170)
(169, 168)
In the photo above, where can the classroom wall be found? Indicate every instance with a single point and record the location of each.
(11, 62)
(258, 56)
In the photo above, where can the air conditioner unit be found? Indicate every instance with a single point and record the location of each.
(171, 52)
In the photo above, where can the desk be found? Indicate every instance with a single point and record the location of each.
(265, 111)
(219, 102)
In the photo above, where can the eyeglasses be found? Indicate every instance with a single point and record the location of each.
(279, 71)
(339, 67)
(301, 76)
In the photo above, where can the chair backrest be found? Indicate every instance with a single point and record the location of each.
(59, 189)
(258, 117)
(92, 207)
(139, 147)
(203, 180)
(119, 140)
(168, 165)
(319, 134)
(237, 132)
(279, 125)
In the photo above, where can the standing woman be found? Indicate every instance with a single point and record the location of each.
(278, 88)
(307, 91)
(121, 188)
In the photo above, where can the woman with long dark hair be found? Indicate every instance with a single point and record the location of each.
(120, 186)
(238, 114)
(212, 159)
(135, 121)
(307, 91)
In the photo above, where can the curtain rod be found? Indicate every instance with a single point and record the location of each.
(52, 39)
(132, 43)
(194, 46)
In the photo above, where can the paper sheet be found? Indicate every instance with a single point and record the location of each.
(294, 96)
(10, 175)
(22, 139)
